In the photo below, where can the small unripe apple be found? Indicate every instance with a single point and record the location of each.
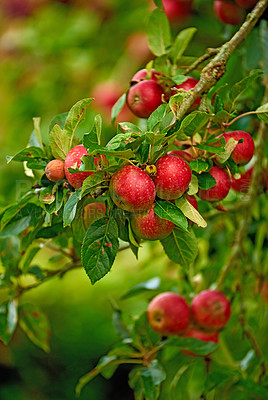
(243, 152)
(74, 157)
(55, 170)
(210, 310)
(149, 226)
(177, 10)
(144, 97)
(196, 333)
(168, 314)
(220, 190)
(132, 189)
(143, 74)
(189, 84)
(228, 12)
(242, 184)
(92, 212)
(172, 178)
(246, 3)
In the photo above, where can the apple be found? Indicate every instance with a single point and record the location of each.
(192, 200)
(74, 157)
(188, 154)
(137, 47)
(168, 314)
(264, 291)
(228, 12)
(177, 10)
(243, 152)
(132, 189)
(172, 177)
(92, 212)
(210, 310)
(242, 184)
(246, 3)
(220, 190)
(55, 170)
(19, 8)
(143, 74)
(189, 84)
(144, 97)
(195, 333)
(149, 226)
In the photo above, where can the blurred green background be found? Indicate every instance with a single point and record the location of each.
(52, 54)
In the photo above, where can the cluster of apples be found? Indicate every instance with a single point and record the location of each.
(169, 314)
(232, 12)
(148, 90)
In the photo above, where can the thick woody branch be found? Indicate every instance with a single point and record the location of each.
(217, 66)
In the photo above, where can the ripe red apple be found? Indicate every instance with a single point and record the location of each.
(220, 190)
(195, 333)
(246, 3)
(242, 184)
(172, 177)
(144, 97)
(132, 189)
(189, 84)
(228, 12)
(168, 314)
(177, 10)
(244, 151)
(210, 310)
(92, 212)
(149, 226)
(143, 74)
(55, 170)
(74, 156)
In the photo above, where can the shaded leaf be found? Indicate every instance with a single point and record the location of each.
(8, 320)
(158, 31)
(199, 165)
(190, 212)
(152, 284)
(70, 207)
(206, 180)
(75, 117)
(194, 122)
(167, 210)
(59, 142)
(117, 107)
(27, 153)
(262, 112)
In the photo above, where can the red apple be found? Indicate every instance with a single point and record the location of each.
(210, 310)
(92, 212)
(168, 314)
(55, 170)
(242, 184)
(144, 97)
(244, 151)
(220, 190)
(246, 3)
(189, 84)
(143, 74)
(177, 10)
(195, 333)
(132, 189)
(137, 47)
(192, 200)
(74, 157)
(228, 12)
(149, 226)
(187, 154)
(172, 177)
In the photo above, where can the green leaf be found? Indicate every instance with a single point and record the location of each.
(37, 131)
(35, 324)
(98, 127)
(117, 107)
(206, 180)
(119, 324)
(193, 186)
(190, 212)
(70, 207)
(99, 248)
(158, 4)
(195, 345)
(167, 210)
(262, 112)
(158, 32)
(181, 43)
(143, 335)
(146, 381)
(28, 153)
(264, 44)
(199, 165)
(59, 142)
(27, 258)
(156, 117)
(151, 285)
(229, 147)
(255, 389)
(178, 79)
(210, 148)
(180, 246)
(240, 87)
(8, 320)
(194, 122)
(59, 119)
(75, 117)
(16, 227)
(93, 182)
(128, 127)
(14, 209)
(222, 116)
